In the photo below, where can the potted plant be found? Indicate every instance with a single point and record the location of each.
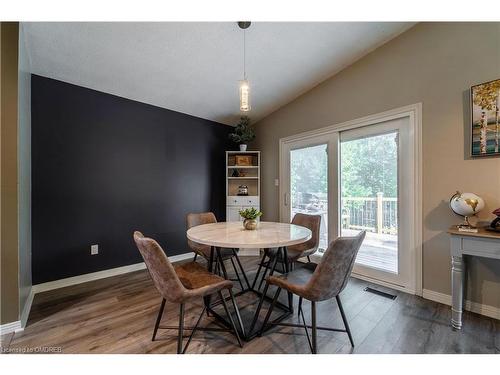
(243, 133)
(250, 215)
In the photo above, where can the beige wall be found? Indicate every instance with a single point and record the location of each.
(9, 308)
(432, 63)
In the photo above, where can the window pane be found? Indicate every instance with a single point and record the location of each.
(369, 198)
(309, 185)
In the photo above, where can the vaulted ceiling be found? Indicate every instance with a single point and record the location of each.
(194, 68)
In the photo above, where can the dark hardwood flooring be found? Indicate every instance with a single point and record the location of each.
(117, 315)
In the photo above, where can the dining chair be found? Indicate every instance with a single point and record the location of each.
(294, 252)
(182, 284)
(319, 283)
(195, 219)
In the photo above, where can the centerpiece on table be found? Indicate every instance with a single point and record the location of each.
(250, 215)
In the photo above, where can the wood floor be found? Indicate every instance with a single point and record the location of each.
(117, 315)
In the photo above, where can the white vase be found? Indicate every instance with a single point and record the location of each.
(243, 147)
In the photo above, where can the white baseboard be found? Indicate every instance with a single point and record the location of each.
(56, 284)
(10, 327)
(478, 308)
(27, 308)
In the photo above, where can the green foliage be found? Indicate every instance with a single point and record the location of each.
(309, 170)
(369, 166)
(243, 132)
(250, 213)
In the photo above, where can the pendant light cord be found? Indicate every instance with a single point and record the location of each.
(244, 54)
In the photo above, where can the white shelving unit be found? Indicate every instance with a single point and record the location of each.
(235, 202)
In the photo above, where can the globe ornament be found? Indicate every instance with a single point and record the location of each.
(466, 205)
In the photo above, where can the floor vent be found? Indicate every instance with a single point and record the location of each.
(380, 293)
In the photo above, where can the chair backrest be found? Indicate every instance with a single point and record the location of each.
(312, 222)
(195, 219)
(161, 270)
(333, 271)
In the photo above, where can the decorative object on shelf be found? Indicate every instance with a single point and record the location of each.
(242, 173)
(466, 205)
(243, 160)
(485, 119)
(235, 173)
(243, 133)
(243, 190)
(495, 224)
(244, 88)
(250, 215)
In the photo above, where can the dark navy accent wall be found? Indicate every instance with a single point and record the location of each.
(104, 166)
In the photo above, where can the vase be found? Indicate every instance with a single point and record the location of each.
(250, 224)
(243, 147)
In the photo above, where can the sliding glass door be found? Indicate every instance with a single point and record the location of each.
(358, 178)
(306, 182)
(369, 198)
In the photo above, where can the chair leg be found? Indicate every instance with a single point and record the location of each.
(181, 329)
(300, 305)
(235, 253)
(346, 325)
(195, 256)
(240, 321)
(309, 259)
(194, 330)
(230, 319)
(313, 324)
(158, 319)
(268, 315)
(301, 315)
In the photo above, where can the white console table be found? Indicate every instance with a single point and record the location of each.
(482, 244)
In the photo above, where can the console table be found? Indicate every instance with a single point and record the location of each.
(482, 244)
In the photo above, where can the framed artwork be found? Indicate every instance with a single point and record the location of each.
(485, 121)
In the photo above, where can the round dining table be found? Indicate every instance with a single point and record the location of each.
(232, 235)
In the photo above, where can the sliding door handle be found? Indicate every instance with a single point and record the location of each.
(285, 199)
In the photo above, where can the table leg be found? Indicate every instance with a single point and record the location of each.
(457, 286)
(287, 269)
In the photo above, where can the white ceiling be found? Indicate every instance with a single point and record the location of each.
(194, 68)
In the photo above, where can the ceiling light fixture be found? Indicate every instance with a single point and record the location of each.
(244, 84)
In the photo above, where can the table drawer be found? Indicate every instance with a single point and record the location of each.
(481, 247)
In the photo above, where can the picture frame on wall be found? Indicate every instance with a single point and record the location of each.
(485, 119)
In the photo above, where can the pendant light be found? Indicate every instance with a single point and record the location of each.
(244, 84)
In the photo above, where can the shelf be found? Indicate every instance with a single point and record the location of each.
(242, 178)
(242, 166)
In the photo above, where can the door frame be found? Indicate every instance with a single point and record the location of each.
(414, 114)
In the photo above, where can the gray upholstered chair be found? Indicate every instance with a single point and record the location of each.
(306, 249)
(181, 284)
(195, 219)
(320, 283)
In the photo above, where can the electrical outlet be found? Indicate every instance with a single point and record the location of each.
(94, 249)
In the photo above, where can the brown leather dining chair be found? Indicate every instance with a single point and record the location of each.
(195, 219)
(319, 283)
(306, 249)
(182, 284)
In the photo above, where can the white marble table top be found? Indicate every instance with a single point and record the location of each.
(233, 235)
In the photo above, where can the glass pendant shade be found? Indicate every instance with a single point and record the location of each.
(244, 96)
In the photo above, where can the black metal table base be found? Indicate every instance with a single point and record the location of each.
(215, 257)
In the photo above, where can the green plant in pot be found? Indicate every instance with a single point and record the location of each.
(243, 133)
(250, 215)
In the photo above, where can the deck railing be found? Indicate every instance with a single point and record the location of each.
(374, 214)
